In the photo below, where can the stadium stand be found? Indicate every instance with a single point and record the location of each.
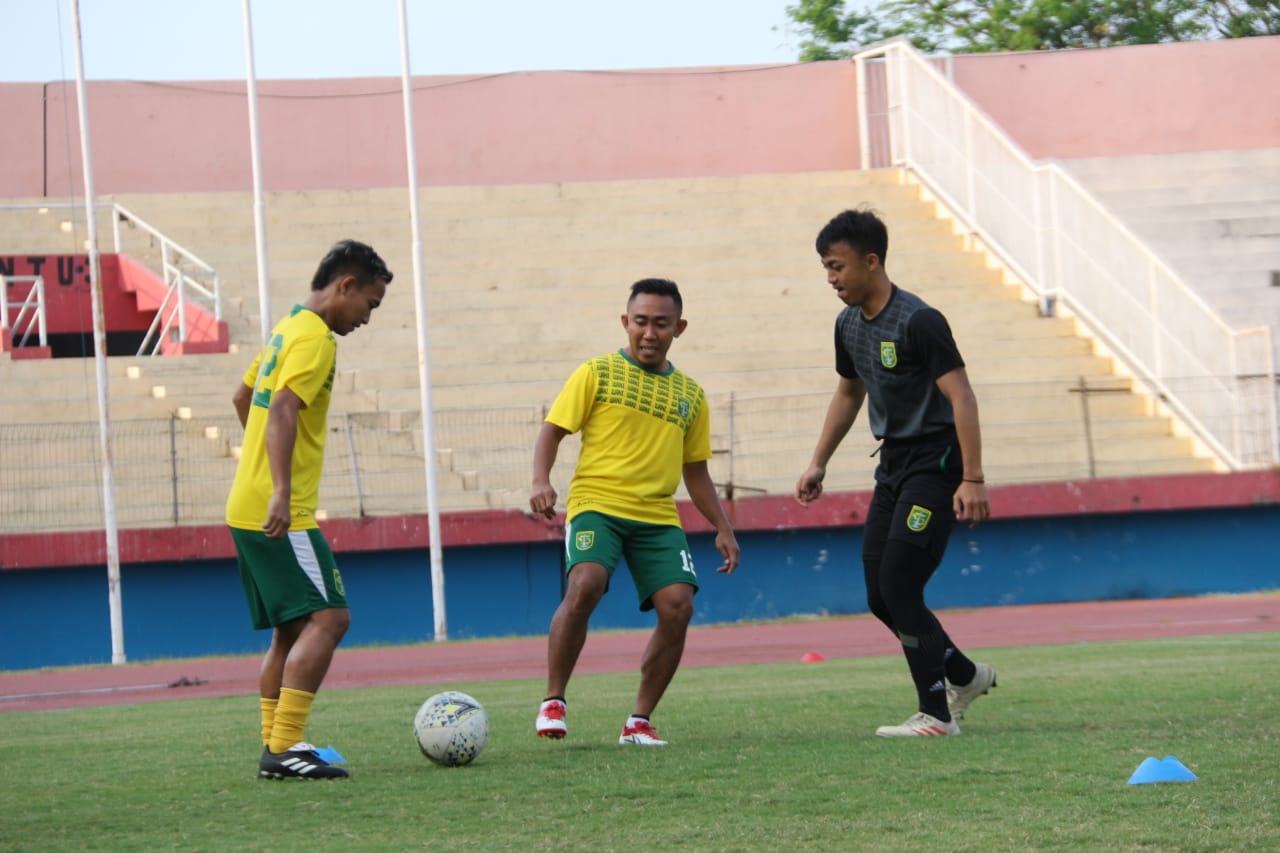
(1214, 216)
(524, 282)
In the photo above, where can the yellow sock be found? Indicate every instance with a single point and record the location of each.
(268, 717)
(291, 718)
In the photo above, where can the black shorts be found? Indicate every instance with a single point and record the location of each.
(915, 484)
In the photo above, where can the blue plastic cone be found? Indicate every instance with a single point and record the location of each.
(1167, 769)
(329, 754)
(1146, 772)
(1177, 771)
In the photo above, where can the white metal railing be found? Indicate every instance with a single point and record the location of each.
(179, 269)
(1070, 250)
(31, 310)
(187, 278)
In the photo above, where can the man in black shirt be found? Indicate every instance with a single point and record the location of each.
(898, 352)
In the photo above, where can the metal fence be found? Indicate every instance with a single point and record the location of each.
(175, 472)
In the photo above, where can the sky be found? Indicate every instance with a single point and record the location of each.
(292, 39)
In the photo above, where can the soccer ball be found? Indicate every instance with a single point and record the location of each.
(451, 728)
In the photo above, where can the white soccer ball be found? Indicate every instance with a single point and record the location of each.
(451, 728)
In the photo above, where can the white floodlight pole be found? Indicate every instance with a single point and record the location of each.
(100, 360)
(424, 348)
(259, 209)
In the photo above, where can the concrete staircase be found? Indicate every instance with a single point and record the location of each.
(1213, 216)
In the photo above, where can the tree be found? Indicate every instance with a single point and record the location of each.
(831, 31)
(1245, 18)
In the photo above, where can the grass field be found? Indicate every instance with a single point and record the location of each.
(763, 757)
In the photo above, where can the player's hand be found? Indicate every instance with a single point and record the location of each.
(542, 500)
(279, 517)
(971, 504)
(809, 487)
(727, 545)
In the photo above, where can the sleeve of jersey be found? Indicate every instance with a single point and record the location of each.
(573, 403)
(250, 377)
(697, 438)
(844, 361)
(931, 336)
(306, 366)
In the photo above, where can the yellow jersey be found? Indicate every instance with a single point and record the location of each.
(639, 428)
(301, 356)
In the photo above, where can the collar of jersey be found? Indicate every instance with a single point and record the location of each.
(670, 370)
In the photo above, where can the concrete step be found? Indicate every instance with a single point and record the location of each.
(509, 320)
(1239, 166)
(457, 228)
(531, 197)
(1239, 230)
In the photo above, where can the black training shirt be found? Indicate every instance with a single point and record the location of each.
(899, 356)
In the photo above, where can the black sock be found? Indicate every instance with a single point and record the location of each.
(960, 670)
(928, 672)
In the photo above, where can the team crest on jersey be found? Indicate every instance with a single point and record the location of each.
(584, 540)
(889, 354)
(918, 519)
(682, 406)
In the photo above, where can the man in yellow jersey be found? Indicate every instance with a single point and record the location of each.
(290, 577)
(644, 424)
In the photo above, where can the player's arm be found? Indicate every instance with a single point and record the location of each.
(842, 411)
(970, 501)
(242, 399)
(697, 480)
(282, 434)
(542, 495)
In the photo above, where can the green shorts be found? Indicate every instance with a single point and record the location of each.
(285, 579)
(657, 554)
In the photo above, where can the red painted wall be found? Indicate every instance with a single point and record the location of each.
(22, 144)
(1145, 99)
(68, 308)
(772, 512)
(580, 126)
(514, 128)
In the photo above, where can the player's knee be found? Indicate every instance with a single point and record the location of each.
(587, 585)
(342, 622)
(880, 610)
(674, 604)
(334, 621)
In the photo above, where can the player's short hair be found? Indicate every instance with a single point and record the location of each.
(351, 257)
(861, 229)
(658, 287)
